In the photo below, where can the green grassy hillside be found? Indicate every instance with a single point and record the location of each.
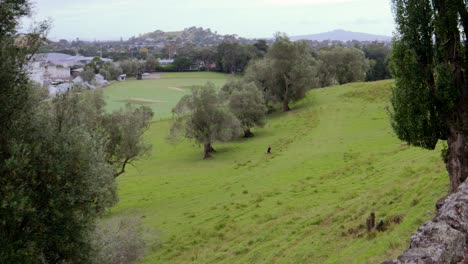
(334, 160)
(160, 94)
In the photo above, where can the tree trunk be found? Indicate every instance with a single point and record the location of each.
(248, 133)
(212, 150)
(207, 150)
(456, 160)
(286, 95)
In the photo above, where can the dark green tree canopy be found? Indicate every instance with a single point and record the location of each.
(429, 63)
(55, 175)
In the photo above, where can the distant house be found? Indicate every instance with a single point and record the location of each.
(165, 62)
(43, 73)
(77, 72)
(53, 70)
(59, 89)
(78, 80)
(122, 77)
(100, 81)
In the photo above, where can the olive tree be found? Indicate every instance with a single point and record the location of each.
(246, 102)
(124, 131)
(430, 64)
(340, 65)
(286, 73)
(55, 178)
(260, 72)
(205, 118)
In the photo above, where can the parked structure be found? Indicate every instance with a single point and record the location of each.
(165, 62)
(122, 77)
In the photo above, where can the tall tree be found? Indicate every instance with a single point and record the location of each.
(182, 63)
(341, 65)
(246, 102)
(430, 100)
(260, 72)
(124, 133)
(113, 71)
(378, 53)
(293, 69)
(202, 116)
(151, 63)
(232, 57)
(55, 179)
(131, 67)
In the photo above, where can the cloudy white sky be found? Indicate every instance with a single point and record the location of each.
(112, 19)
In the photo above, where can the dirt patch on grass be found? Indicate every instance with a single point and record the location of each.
(141, 101)
(152, 76)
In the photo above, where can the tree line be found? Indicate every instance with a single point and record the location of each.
(341, 61)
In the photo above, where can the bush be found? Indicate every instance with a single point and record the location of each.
(167, 68)
(120, 241)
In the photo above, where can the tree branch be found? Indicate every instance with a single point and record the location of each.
(122, 170)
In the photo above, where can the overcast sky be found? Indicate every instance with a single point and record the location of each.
(112, 19)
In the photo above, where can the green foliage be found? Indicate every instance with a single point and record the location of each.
(246, 102)
(96, 63)
(232, 57)
(339, 65)
(418, 114)
(124, 131)
(182, 63)
(88, 74)
(151, 63)
(143, 52)
(167, 68)
(378, 54)
(261, 46)
(202, 116)
(286, 73)
(106, 74)
(55, 179)
(48, 214)
(131, 67)
(260, 72)
(112, 71)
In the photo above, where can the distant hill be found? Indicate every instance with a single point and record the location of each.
(192, 35)
(342, 35)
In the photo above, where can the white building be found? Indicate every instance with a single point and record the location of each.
(164, 62)
(48, 67)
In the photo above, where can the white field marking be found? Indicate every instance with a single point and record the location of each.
(140, 100)
(177, 89)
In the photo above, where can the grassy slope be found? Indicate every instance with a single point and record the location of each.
(334, 160)
(159, 90)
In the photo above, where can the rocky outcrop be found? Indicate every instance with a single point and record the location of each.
(444, 239)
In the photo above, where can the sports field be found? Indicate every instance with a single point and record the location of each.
(161, 94)
(334, 160)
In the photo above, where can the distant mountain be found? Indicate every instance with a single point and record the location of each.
(192, 35)
(342, 35)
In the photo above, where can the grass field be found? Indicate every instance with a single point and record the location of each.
(335, 159)
(160, 94)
